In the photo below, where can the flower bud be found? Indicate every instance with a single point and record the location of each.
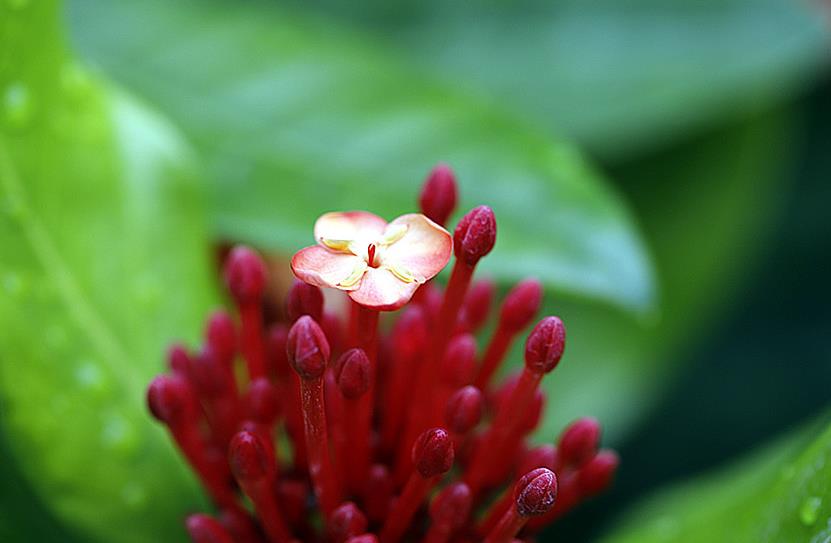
(459, 364)
(307, 348)
(579, 441)
(477, 305)
(245, 275)
(410, 333)
(352, 373)
(275, 346)
(304, 299)
(521, 305)
(178, 359)
(249, 458)
(597, 474)
(171, 400)
(536, 492)
(346, 521)
(475, 235)
(439, 194)
(544, 456)
(364, 538)
(221, 336)
(544, 346)
(433, 453)
(204, 529)
(262, 401)
(464, 409)
(451, 507)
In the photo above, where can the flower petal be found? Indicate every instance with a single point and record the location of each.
(422, 251)
(381, 290)
(340, 227)
(321, 267)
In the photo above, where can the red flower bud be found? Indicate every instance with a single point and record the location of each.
(579, 441)
(245, 275)
(178, 359)
(451, 507)
(536, 492)
(364, 538)
(433, 453)
(521, 305)
(475, 235)
(439, 194)
(352, 373)
(346, 521)
(597, 474)
(304, 299)
(459, 363)
(262, 401)
(464, 409)
(250, 458)
(307, 348)
(544, 456)
(544, 346)
(477, 305)
(221, 336)
(275, 345)
(171, 400)
(204, 529)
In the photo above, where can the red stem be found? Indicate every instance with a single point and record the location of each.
(193, 448)
(253, 348)
(317, 445)
(294, 422)
(494, 355)
(428, 374)
(405, 507)
(509, 525)
(503, 431)
(496, 511)
(360, 416)
(268, 512)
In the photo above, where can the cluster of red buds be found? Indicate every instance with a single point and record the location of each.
(331, 423)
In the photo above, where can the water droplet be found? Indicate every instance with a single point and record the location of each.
(17, 4)
(17, 105)
(117, 434)
(90, 378)
(133, 494)
(809, 511)
(14, 285)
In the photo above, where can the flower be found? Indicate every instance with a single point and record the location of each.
(379, 264)
(377, 420)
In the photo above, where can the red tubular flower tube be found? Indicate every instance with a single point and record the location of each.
(534, 494)
(543, 351)
(379, 493)
(304, 299)
(253, 466)
(518, 310)
(246, 277)
(352, 374)
(432, 456)
(308, 353)
(449, 512)
(477, 306)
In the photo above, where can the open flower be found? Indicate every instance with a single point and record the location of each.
(380, 264)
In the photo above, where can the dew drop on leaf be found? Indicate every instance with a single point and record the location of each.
(90, 379)
(809, 511)
(17, 105)
(118, 435)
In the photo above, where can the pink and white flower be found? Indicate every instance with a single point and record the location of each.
(379, 264)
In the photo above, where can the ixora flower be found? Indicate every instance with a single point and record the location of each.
(316, 426)
(381, 265)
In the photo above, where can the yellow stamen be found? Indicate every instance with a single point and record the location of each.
(354, 277)
(393, 233)
(336, 244)
(402, 274)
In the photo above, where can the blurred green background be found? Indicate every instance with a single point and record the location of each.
(663, 167)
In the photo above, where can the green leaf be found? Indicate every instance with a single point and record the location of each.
(620, 77)
(297, 118)
(706, 208)
(104, 261)
(780, 495)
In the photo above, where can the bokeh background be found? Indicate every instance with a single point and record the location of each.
(664, 168)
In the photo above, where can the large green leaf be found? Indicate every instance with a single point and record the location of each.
(705, 207)
(778, 496)
(618, 76)
(296, 118)
(103, 262)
